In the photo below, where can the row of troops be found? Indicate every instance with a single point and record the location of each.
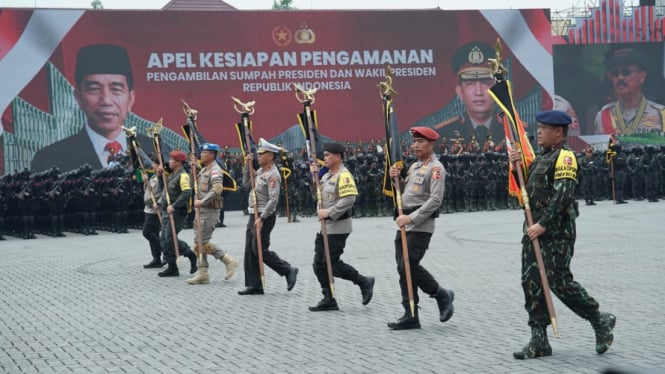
(550, 184)
(85, 200)
(621, 175)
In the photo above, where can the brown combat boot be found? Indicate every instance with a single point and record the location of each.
(201, 276)
(231, 265)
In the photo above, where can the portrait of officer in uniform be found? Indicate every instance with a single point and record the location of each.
(105, 93)
(474, 79)
(631, 112)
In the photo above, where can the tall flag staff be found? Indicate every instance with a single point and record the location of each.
(286, 173)
(136, 154)
(154, 131)
(244, 129)
(502, 94)
(609, 157)
(191, 133)
(310, 130)
(394, 158)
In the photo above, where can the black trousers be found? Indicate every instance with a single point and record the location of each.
(166, 236)
(151, 228)
(340, 269)
(270, 258)
(417, 242)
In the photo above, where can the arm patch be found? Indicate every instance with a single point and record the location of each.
(566, 166)
(184, 182)
(346, 185)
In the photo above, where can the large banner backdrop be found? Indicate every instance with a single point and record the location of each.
(207, 57)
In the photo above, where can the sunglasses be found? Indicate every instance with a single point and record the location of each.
(626, 72)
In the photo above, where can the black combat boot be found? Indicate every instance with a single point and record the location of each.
(171, 270)
(444, 298)
(538, 346)
(327, 303)
(192, 260)
(291, 278)
(603, 325)
(155, 263)
(366, 288)
(406, 322)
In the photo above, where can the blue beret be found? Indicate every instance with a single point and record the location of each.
(209, 147)
(554, 118)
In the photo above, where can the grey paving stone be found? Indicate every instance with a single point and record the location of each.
(85, 304)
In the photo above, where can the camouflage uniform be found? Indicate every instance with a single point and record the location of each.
(551, 189)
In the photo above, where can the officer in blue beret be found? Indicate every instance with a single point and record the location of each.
(550, 185)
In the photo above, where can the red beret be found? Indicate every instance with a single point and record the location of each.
(424, 132)
(178, 156)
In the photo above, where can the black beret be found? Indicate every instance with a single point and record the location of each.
(624, 56)
(554, 118)
(103, 59)
(470, 61)
(336, 148)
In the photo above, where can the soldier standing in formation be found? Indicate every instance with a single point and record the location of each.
(179, 191)
(422, 193)
(267, 182)
(588, 169)
(550, 186)
(338, 194)
(209, 202)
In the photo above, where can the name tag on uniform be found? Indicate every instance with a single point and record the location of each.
(419, 179)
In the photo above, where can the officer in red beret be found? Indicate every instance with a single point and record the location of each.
(179, 190)
(422, 195)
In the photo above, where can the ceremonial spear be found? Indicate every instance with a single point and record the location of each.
(502, 94)
(190, 131)
(310, 128)
(131, 136)
(394, 159)
(154, 131)
(244, 128)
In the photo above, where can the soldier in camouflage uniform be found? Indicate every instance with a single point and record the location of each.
(550, 186)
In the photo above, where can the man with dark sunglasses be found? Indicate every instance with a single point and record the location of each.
(631, 113)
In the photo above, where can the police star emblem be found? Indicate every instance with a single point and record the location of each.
(305, 35)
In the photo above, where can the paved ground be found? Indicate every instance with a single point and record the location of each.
(85, 304)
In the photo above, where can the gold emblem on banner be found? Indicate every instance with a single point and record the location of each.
(476, 56)
(281, 35)
(305, 35)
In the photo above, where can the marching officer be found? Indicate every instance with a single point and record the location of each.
(422, 193)
(179, 191)
(338, 194)
(209, 202)
(550, 186)
(267, 182)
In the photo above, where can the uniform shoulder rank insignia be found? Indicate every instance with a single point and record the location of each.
(566, 166)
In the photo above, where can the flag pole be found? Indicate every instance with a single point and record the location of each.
(155, 130)
(245, 110)
(394, 159)
(306, 97)
(501, 92)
